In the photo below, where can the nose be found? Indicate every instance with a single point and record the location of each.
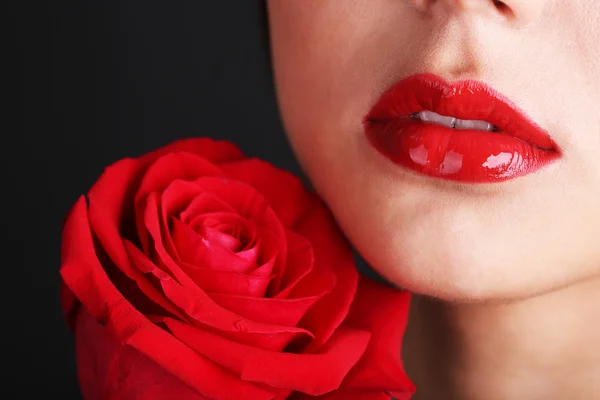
(521, 12)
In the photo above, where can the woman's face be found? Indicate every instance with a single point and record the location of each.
(452, 239)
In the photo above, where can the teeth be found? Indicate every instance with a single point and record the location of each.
(430, 116)
(473, 124)
(452, 122)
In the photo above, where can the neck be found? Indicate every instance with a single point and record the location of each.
(547, 347)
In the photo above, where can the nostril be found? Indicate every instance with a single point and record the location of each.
(503, 8)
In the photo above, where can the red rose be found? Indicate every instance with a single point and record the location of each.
(195, 273)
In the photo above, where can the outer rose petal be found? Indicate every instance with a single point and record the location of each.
(314, 374)
(216, 151)
(379, 374)
(331, 252)
(83, 274)
(106, 226)
(108, 235)
(109, 370)
(381, 367)
(171, 167)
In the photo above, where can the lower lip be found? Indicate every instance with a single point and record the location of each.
(459, 155)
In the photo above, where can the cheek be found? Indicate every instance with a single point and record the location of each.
(328, 63)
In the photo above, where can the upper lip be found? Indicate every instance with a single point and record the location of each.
(466, 99)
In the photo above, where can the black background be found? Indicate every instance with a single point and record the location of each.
(101, 80)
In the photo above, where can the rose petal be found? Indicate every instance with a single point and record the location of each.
(109, 201)
(143, 263)
(246, 247)
(318, 282)
(252, 205)
(175, 166)
(334, 253)
(112, 197)
(284, 312)
(230, 283)
(203, 203)
(143, 283)
(280, 394)
(108, 235)
(109, 370)
(215, 151)
(226, 225)
(204, 312)
(176, 197)
(284, 192)
(225, 240)
(162, 173)
(314, 374)
(161, 257)
(300, 263)
(104, 215)
(114, 191)
(381, 367)
(196, 250)
(83, 274)
(344, 395)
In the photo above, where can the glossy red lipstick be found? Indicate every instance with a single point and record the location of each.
(515, 146)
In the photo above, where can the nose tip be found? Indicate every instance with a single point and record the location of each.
(521, 12)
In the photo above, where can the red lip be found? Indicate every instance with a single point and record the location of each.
(518, 147)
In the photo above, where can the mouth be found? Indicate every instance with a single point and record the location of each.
(463, 131)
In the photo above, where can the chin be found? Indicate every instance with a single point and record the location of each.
(457, 263)
(458, 275)
(447, 281)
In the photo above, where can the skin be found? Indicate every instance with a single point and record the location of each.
(506, 276)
